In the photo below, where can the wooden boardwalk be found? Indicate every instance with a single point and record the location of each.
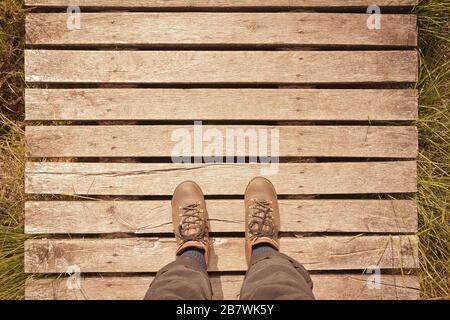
(105, 99)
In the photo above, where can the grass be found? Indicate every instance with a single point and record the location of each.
(434, 148)
(12, 155)
(433, 161)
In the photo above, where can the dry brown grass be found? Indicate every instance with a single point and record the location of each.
(12, 156)
(434, 148)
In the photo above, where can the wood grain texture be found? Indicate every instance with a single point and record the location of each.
(220, 104)
(161, 179)
(227, 254)
(264, 67)
(115, 253)
(221, 29)
(221, 3)
(83, 217)
(161, 141)
(326, 287)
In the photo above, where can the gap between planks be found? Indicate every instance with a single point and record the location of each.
(326, 287)
(227, 254)
(220, 3)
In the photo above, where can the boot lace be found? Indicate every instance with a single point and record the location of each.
(261, 222)
(191, 220)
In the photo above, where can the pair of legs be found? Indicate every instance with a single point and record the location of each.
(271, 274)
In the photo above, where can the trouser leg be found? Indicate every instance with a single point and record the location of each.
(275, 276)
(183, 279)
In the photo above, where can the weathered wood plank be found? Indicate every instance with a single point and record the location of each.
(326, 287)
(221, 66)
(161, 141)
(140, 217)
(221, 3)
(161, 179)
(221, 29)
(220, 104)
(151, 254)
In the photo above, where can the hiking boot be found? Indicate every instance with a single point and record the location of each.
(262, 215)
(190, 218)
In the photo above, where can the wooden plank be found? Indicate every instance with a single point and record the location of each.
(326, 287)
(221, 29)
(220, 3)
(161, 179)
(151, 254)
(141, 217)
(160, 141)
(221, 66)
(220, 104)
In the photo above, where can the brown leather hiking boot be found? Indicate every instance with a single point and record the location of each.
(262, 215)
(190, 218)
